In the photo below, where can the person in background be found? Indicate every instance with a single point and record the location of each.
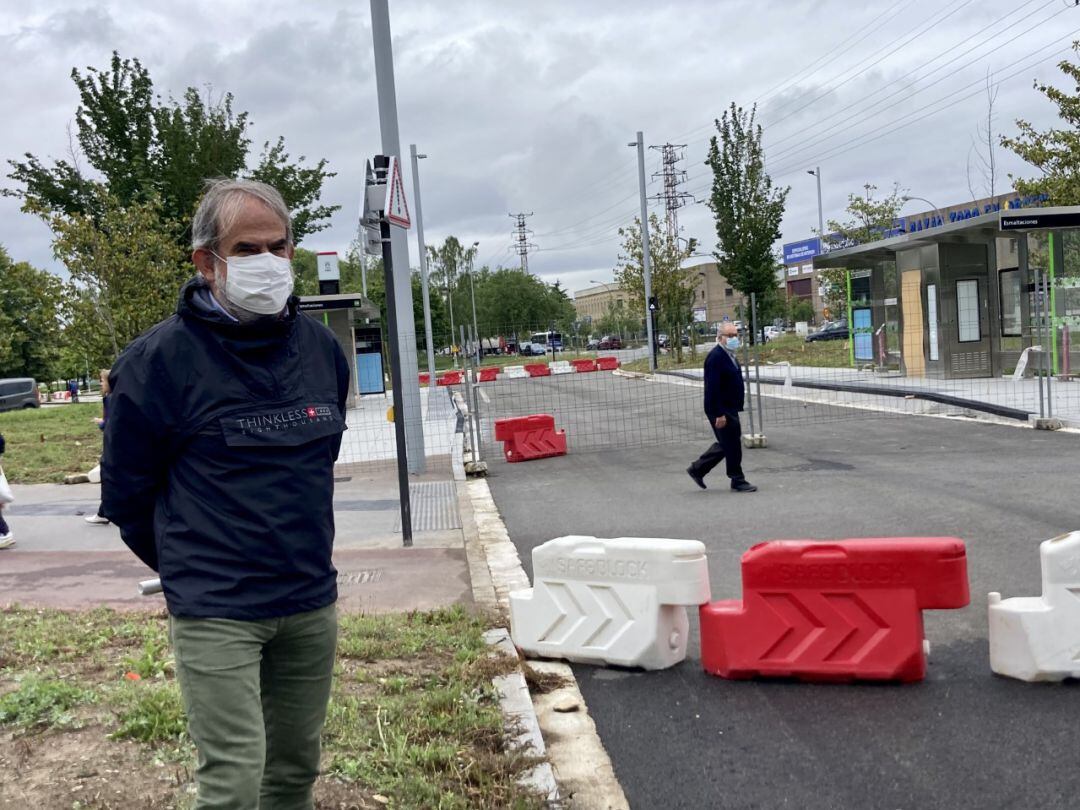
(724, 397)
(99, 519)
(6, 539)
(73, 389)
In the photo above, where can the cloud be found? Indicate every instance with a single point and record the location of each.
(529, 107)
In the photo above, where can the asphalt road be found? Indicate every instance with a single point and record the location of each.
(964, 738)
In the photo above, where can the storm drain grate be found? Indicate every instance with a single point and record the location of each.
(434, 507)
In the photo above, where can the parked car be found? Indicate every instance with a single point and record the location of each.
(528, 349)
(19, 392)
(609, 342)
(772, 332)
(662, 340)
(593, 344)
(836, 330)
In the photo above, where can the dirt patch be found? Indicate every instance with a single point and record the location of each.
(54, 769)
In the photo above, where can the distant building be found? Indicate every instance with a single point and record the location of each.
(594, 303)
(714, 298)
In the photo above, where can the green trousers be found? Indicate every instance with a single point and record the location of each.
(255, 693)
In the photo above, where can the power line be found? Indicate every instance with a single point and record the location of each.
(901, 122)
(836, 124)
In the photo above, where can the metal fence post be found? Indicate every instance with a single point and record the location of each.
(1049, 316)
(757, 361)
(466, 363)
(746, 371)
(474, 408)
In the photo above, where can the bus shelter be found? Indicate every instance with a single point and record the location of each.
(966, 298)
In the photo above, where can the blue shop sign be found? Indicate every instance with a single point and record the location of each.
(801, 251)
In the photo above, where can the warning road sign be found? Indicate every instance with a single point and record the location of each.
(397, 208)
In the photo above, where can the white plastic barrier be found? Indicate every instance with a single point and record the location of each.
(514, 372)
(560, 367)
(1037, 638)
(619, 601)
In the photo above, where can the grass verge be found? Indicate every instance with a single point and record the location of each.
(91, 715)
(45, 444)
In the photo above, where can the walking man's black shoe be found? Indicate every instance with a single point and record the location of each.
(697, 478)
(743, 486)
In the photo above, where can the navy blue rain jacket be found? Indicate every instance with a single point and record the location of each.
(724, 392)
(219, 459)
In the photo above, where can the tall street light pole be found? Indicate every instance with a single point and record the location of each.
(472, 292)
(646, 259)
(820, 214)
(399, 243)
(423, 263)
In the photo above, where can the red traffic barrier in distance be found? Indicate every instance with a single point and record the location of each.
(530, 437)
(581, 366)
(538, 369)
(834, 611)
(425, 378)
(489, 374)
(607, 363)
(449, 378)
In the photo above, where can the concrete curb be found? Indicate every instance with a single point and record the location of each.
(583, 768)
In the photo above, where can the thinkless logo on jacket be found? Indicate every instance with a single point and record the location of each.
(288, 419)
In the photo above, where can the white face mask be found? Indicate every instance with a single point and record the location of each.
(261, 283)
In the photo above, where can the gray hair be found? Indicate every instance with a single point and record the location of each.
(220, 206)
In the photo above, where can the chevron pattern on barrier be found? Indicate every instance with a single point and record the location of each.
(607, 363)
(489, 374)
(449, 378)
(531, 437)
(838, 611)
(538, 369)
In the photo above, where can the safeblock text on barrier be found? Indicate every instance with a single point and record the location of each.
(1037, 638)
(834, 611)
(615, 601)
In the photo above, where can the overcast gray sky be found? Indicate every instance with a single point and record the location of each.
(529, 106)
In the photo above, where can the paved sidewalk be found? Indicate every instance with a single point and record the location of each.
(62, 561)
(1022, 394)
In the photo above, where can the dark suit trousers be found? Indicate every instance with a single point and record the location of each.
(728, 446)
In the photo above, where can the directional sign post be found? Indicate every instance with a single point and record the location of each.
(371, 219)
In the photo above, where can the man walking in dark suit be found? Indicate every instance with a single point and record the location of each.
(724, 396)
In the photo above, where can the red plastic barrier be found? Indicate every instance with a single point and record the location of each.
(529, 437)
(834, 611)
(489, 374)
(449, 378)
(425, 379)
(538, 369)
(607, 363)
(581, 366)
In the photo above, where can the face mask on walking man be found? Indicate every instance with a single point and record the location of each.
(224, 424)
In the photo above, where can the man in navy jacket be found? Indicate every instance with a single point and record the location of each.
(225, 422)
(724, 397)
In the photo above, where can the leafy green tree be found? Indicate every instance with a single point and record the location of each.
(125, 266)
(29, 328)
(747, 207)
(140, 146)
(1056, 152)
(672, 283)
(618, 320)
(510, 301)
(869, 218)
(802, 310)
